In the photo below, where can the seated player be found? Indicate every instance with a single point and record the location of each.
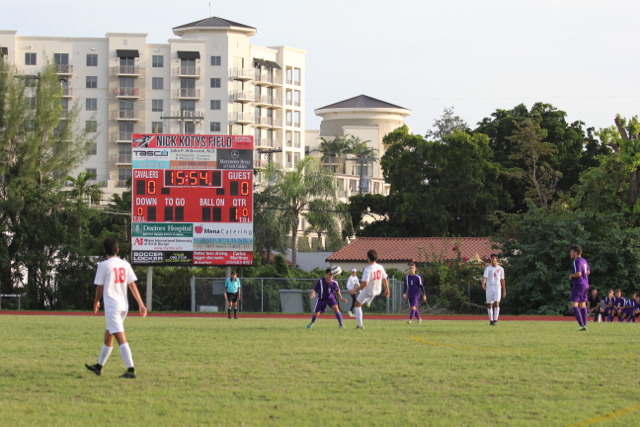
(636, 310)
(607, 311)
(618, 305)
(629, 307)
(325, 288)
(593, 304)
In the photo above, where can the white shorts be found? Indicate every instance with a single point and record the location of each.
(493, 294)
(115, 321)
(366, 295)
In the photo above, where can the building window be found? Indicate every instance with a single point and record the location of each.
(92, 104)
(91, 126)
(157, 105)
(157, 61)
(157, 127)
(93, 149)
(92, 60)
(215, 104)
(157, 83)
(92, 171)
(216, 60)
(189, 128)
(215, 82)
(214, 126)
(61, 58)
(124, 175)
(30, 58)
(92, 82)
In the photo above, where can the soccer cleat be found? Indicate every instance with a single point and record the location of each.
(419, 321)
(343, 327)
(584, 328)
(495, 322)
(310, 325)
(409, 322)
(94, 368)
(128, 375)
(359, 327)
(350, 313)
(491, 323)
(369, 304)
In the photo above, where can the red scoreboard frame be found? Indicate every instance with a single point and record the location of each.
(192, 199)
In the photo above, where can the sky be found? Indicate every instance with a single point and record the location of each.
(477, 56)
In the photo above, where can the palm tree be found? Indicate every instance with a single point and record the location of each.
(333, 150)
(85, 189)
(321, 221)
(294, 192)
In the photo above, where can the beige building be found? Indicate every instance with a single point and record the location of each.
(208, 80)
(369, 119)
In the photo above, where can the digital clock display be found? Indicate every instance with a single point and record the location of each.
(192, 200)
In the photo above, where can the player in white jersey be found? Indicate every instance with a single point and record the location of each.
(492, 280)
(113, 278)
(373, 277)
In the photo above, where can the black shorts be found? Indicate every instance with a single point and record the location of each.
(232, 297)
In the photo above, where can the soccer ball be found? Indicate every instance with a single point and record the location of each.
(336, 270)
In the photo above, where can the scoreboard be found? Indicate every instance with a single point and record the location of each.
(192, 199)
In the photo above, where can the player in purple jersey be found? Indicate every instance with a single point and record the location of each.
(629, 307)
(412, 289)
(579, 286)
(618, 305)
(325, 288)
(636, 310)
(607, 312)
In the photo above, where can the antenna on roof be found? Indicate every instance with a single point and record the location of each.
(209, 9)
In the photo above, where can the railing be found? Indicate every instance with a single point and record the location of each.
(289, 143)
(289, 165)
(296, 82)
(127, 92)
(123, 136)
(296, 144)
(188, 71)
(188, 93)
(277, 123)
(126, 114)
(67, 92)
(128, 69)
(276, 101)
(296, 124)
(264, 142)
(184, 113)
(289, 122)
(268, 78)
(289, 81)
(64, 69)
(63, 114)
(241, 73)
(241, 117)
(241, 95)
(296, 103)
(262, 99)
(121, 183)
(289, 102)
(123, 158)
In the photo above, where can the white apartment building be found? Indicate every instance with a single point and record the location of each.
(208, 80)
(369, 119)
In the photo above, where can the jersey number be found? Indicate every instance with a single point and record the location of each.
(120, 275)
(377, 275)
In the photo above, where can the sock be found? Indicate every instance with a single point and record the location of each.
(496, 313)
(235, 312)
(610, 317)
(339, 317)
(125, 353)
(490, 311)
(578, 314)
(229, 311)
(585, 315)
(358, 313)
(411, 314)
(313, 318)
(418, 314)
(105, 352)
(131, 369)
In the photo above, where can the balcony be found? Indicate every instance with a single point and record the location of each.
(188, 93)
(241, 73)
(289, 122)
(123, 136)
(289, 102)
(296, 82)
(121, 183)
(127, 71)
(64, 114)
(126, 115)
(127, 92)
(262, 99)
(123, 159)
(195, 115)
(264, 142)
(296, 144)
(289, 143)
(241, 117)
(272, 79)
(296, 124)
(66, 69)
(189, 71)
(268, 122)
(241, 96)
(67, 92)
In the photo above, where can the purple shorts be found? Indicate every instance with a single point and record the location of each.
(414, 300)
(579, 293)
(322, 304)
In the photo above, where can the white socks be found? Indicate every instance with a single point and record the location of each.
(490, 311)
(125, 353)
(496, 313)
(105, 352)
(358, 313)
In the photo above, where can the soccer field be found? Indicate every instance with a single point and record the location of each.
(275, 372)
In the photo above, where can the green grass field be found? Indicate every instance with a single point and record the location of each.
(251, 372)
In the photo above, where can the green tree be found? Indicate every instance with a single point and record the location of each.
(446, 125)
(270, 232)
(333, 152)
(84, 188)
(293, 193)
(38, 141)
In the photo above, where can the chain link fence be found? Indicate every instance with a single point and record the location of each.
(262, 295)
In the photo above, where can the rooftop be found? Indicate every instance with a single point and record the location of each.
(414, 249)
(212, 23)
(361, 101)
